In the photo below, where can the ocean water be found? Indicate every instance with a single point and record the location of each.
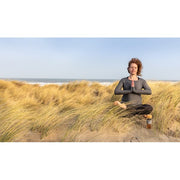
(43, 81)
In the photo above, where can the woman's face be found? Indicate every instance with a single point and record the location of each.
(133, 69)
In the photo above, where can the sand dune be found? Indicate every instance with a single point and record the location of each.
(79, 112)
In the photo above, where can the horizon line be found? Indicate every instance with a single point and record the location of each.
(79, 78)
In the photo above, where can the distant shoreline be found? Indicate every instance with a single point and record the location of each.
(45, 81)
(160, 81)
(74, 79)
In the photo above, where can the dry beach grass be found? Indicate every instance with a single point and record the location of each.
(79, 111)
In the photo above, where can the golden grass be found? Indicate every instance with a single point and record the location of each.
(71, 109)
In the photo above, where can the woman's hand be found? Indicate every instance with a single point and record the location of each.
(132, 84)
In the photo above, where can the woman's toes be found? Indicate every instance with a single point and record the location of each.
(123, 106)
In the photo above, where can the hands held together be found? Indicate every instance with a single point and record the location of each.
(133, 87)
(132, 84)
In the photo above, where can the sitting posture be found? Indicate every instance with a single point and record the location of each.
(133, 86)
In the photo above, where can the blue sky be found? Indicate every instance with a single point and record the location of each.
(88, 58)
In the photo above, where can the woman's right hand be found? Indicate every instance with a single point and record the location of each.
(132, 83)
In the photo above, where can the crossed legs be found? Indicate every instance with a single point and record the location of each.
(141, 109)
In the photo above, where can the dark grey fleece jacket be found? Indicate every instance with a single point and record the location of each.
(132, 94)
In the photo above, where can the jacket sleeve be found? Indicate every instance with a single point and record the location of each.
(147, 89)
(118, 90)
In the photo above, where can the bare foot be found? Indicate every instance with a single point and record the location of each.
(117, 103)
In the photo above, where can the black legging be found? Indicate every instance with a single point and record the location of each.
(140, 109)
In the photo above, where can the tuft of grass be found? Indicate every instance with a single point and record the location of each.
(77, 107)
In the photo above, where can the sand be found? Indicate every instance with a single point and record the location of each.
(136, 134)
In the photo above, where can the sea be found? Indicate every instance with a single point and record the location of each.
(44, 81)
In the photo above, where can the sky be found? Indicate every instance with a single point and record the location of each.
(88, 58)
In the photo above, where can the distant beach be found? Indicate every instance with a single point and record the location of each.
(44, 81)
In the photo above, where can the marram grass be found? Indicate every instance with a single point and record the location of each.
(69, 110)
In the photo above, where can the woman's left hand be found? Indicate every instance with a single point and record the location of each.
(132, 84)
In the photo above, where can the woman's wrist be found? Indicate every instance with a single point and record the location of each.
(133, 89)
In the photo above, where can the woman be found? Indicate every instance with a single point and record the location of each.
(132, 90)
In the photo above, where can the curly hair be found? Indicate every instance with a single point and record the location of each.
(139, 64)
